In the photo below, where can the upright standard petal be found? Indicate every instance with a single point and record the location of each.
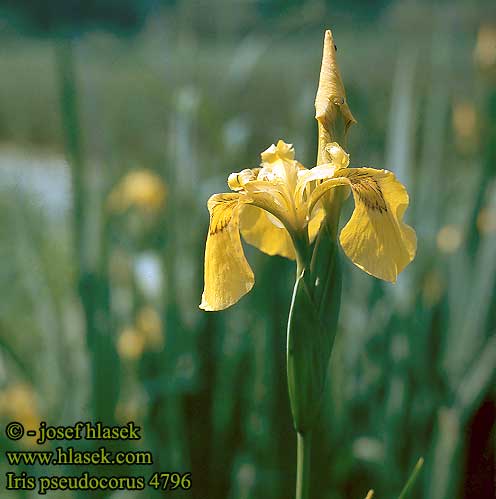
(228, 276)
(376, 239)
(281, 150)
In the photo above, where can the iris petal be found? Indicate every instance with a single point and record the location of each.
(314, 224)
(258, 230)
(324, 187)
(376, 239)
(228, 275)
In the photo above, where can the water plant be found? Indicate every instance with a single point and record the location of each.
(285, 209)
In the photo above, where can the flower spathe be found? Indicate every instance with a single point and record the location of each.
(278, 204)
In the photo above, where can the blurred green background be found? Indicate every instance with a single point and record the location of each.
(119, 119)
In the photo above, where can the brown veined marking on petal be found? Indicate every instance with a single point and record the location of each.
(221, 217)
(379, 243)
(368, 190)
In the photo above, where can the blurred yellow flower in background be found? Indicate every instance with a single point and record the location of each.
(18, 402)
(131, 409)
(142, 189)
(146, 334)
(486, 221)
(464, 119)
(485, 49)
(449, 238)
(149, 323)
(277, 208)
(433, 287)
(130, 344)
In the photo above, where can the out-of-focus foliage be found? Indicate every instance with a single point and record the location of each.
(102, 254)
(74, 16)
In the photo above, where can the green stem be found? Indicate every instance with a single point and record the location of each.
(303, 465)
(301, 244)
(73, 143)
(411, 480)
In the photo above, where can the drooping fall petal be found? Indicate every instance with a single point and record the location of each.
(228, 275)
(376, 239)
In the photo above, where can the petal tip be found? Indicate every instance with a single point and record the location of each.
(205, 306)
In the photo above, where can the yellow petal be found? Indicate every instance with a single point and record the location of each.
(339, 157)
(320, 172)
(260, 231)
(324, 187)
(331, 97)
(282, 151)
(279, 166)
(376, 239)
(237, 181)
(314, 224)
(228, 276)
(271, 197)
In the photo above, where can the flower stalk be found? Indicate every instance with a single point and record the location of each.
(313, 318)
(303, 465)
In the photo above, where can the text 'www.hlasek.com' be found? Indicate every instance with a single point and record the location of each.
(92, 453)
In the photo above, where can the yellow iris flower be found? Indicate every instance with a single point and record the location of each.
(278, 209)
